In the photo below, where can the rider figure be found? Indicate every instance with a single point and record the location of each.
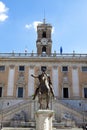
(49, 84)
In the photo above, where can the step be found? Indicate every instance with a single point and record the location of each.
(13, 128)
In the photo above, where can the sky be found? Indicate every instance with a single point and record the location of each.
(19, 18)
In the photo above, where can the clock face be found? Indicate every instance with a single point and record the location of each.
(44, 41)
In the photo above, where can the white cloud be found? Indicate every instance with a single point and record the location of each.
(3, 17)
(28, 26)
(3, 12)
(34, 25)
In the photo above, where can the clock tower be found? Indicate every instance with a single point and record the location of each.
(44, 41)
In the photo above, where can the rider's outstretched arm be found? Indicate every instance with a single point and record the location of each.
(34, 76)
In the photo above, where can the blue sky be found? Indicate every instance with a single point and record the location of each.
(18, 20)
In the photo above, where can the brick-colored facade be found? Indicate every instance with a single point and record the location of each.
(65, 78)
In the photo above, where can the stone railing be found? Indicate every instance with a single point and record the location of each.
(35, 55)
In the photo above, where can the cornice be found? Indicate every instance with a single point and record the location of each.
(44, 59)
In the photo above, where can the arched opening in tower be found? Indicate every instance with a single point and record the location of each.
(43, 49)
(44, 35)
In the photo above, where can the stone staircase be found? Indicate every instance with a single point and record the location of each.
(72, 109)
(11, 128)
(29, 107)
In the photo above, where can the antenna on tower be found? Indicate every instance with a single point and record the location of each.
(44, 20)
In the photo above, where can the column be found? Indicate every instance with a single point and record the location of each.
(55, 80)
(75, 82)
(31, 81)
(10, 81)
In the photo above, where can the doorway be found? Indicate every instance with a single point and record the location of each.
(65, 93)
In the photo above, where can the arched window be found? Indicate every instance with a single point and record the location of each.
(44, 34)
(43, 49)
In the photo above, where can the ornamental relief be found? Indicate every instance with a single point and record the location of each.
(83, 84)
(32, 66)
(55, 67)
(12, 66)
(65, 81)
(74, 67)
(21, 80)
(68, 84)
(65, 77)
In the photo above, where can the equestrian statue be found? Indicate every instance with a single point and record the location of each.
(44, 90)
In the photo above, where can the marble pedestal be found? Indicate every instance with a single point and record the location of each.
(44, 119)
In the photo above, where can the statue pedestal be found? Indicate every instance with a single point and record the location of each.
(44, 119)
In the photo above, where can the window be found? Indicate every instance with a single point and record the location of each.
(44, 49)
(0, 91)
(85, 92)
(2, 68)
(43, 68)
(65, 68)
(44, 35)
(20, 92)
(21, 68)
(65, 93)
(84, 68)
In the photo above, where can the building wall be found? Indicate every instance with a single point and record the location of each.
(11, 78)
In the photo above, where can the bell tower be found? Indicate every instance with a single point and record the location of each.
(44, 41)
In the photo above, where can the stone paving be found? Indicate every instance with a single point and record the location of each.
(68, 129)
(11, 128)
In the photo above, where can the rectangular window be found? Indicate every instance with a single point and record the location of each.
(85, 92)
(84, 68)
(20, 92)
(21, 68)
(43, 68)
(44, 34)
(65, 68)
(2, 68)
(0, 91)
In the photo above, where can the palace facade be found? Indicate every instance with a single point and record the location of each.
(68, 73)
